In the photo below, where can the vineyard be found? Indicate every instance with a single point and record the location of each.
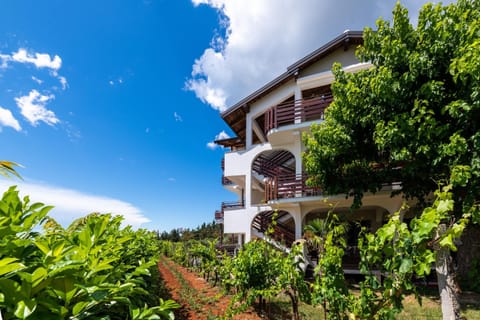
(94, 269)
(188, 265)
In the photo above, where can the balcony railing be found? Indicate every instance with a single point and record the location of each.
(289, 186)
(218, 215)
(298, 111)
(233, 205)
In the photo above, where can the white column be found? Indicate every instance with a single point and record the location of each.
(298, 96)
(248, 234)
(239, 239)
(248, 189)
(296, 213)
(248, 120)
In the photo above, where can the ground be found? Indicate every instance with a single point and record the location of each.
(199, 299)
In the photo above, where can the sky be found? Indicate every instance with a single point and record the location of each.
(113, 106)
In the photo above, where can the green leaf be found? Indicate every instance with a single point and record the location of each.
(406, 266)
(25, 308)
(79, 307)
(8, 265)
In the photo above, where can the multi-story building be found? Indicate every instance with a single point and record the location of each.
(263, 163)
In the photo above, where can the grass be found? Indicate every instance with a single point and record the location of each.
(280, 308)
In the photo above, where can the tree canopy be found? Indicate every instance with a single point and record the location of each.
(413, 117)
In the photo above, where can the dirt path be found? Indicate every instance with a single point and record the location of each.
(201, 301)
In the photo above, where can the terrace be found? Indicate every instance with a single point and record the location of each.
(296, 112)
(289, 186)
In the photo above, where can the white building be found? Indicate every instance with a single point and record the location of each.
(263, 164)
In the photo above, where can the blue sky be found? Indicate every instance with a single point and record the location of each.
(112, 106)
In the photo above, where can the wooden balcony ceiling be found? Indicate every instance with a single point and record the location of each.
(274, 162)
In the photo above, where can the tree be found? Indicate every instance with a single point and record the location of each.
(412, 118)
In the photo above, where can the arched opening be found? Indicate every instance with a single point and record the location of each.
(369, 217)
(267, 167)
(283, 231)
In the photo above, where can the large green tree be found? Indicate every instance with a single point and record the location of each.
(413, 117)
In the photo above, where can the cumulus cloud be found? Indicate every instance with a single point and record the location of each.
(40, 60)
(72, 204)
(33, 108)
(259, 39)
(8, 120)
(222, 135)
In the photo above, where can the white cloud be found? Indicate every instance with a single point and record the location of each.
(40, 60)
(8, 120)
(63, 82)
(260, 39)
(212, 145)
(177, 117)
(116, 81)
(4, 58)
(33, 108)
(222, 135)
(71, 204)
(39, 81)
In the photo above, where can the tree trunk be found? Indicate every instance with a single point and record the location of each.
(294, 299)
(447, 285)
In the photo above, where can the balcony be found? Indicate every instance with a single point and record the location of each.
(298, 111)
(289, 186)
(218, 216)
(232, 205)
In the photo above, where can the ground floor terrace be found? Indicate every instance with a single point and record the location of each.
(291, 215)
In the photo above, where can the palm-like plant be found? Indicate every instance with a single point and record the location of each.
(317, 230)
(7, 169)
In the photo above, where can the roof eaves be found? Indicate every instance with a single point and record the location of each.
(293, 70)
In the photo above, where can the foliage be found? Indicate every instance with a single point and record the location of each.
(92, 269)
(391, 259)
(412, 117)
(253, 273)
(330, 289)
(205, 231)
(473, 276)
(7, 169)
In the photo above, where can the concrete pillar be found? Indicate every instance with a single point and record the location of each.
(298, 96)
(248, 189)
(248, 138)
(296, 213)
(248, 234)
(239, 239)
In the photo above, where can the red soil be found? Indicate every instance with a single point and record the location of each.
(209, 301)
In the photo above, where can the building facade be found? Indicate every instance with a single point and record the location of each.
(263, 162)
